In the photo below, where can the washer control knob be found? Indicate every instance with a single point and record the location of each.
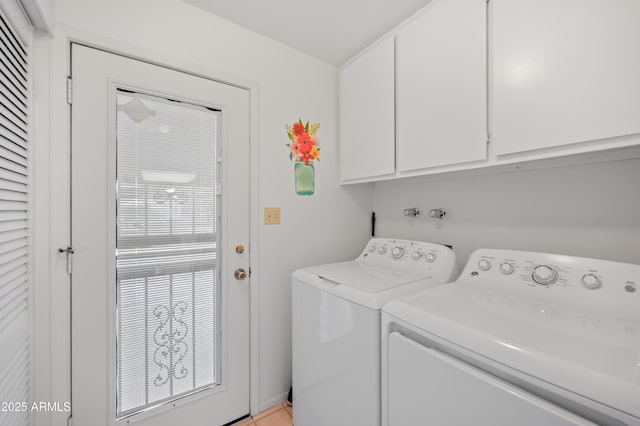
(431, 257)
(371, 248)
(484, 264)
(506, 268)
(545, 275)
(397, 252)
(416, 255)
(382, 250)
(591, 281)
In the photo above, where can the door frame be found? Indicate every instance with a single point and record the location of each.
(52, 157)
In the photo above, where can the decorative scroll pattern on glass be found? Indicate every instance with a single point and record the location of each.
(171, 348)
(167, 296)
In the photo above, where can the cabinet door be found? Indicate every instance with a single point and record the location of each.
(564, 72)
(367, 105)
(441, 99)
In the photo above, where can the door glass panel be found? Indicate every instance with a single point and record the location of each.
(167, 294)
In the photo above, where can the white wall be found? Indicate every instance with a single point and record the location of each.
(590, 210)
(41, 13)
(331, 225)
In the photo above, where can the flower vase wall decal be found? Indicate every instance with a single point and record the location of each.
(304, 151)
(305, 178)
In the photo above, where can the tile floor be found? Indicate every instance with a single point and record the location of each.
(278, 415)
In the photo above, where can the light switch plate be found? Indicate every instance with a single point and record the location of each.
(272, 215)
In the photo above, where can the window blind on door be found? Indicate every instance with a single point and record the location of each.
(14, 284)
(167, 293)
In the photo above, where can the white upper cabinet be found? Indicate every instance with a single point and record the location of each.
(563, 84)
(441, 86)
(367, 125)
(564, 72)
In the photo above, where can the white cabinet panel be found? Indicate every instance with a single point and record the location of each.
(441, 98)
(367, 106)
(564, 72)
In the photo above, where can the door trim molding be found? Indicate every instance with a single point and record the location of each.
(53, 149)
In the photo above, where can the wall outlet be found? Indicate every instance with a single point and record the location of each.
(272, 215)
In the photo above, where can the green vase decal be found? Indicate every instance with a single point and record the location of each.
(305, 178)
(304, 150)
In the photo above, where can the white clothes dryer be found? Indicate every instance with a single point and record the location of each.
(336, 327)
(520, 338)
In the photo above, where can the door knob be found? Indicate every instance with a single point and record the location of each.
(240, 274)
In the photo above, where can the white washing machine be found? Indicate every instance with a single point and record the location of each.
(336, 327)
(520, 338)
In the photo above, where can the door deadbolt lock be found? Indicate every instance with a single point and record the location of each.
(240, 274)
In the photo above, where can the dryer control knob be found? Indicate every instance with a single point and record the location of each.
(591, 281)
(506, 268)
(416, 255)
(397, 252)
(431, 257)
(382, 250)
(484, 264)
(545, 275)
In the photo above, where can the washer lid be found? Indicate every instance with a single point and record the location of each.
(585, 351)
(367, 276)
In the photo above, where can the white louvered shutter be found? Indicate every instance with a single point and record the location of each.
(14, 286)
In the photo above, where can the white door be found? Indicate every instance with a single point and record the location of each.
(160, 200)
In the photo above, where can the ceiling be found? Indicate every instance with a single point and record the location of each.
(331, 30)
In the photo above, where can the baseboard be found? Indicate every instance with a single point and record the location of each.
(273, 401)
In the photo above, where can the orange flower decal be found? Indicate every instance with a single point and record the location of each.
(298, 128)
(315, 153)
(304, 141)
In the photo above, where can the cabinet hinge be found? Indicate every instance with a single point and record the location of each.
(69, 91)
(488, 137)
(249, 272)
